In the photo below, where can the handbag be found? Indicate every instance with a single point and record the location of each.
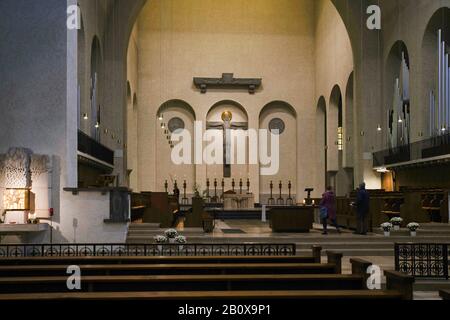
(323, 212)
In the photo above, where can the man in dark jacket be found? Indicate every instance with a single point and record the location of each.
(362, 209)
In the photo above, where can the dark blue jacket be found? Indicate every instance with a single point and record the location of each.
(362, 202)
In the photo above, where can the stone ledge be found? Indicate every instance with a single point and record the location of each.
(23, 228)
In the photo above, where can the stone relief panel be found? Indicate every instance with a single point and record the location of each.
(15, 168)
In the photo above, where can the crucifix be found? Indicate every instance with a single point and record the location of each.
(227, 126)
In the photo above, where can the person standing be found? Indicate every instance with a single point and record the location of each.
(362, 209)
(328, 202)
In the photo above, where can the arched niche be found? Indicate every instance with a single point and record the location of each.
(321, 142)
(349, 120)
(397, 96)
(440, 20)
(334, 121)
(280, 114)
(348, 134)
(239, 116)
(238, 111)
(175, 114)
(336, 175)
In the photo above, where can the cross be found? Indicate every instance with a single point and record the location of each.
(227, 126)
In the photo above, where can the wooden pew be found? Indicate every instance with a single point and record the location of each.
(185, 283)
(208, 295)
(170, 269)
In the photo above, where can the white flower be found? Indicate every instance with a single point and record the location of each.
(171, 233)
(180, 239)
(387, 226)
(396, 220)
(160, 239)
(413, 226)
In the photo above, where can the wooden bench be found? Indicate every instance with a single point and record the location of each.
(171, 269)
(156, 260)
(208, 295)
(184, 283)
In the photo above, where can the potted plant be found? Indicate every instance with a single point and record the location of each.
(387, 226)
(160, 240)
(180, 240)
(413, 226)
(396, 222)
(171, 234)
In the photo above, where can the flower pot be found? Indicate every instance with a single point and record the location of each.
(180, 247)
(396, 227)
(413, 233)
(387, 233)
(159, 247)
(172, 240)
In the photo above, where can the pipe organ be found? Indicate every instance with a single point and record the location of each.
(399, 115)
(439, 111)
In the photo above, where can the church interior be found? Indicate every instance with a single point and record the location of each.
(259, 149)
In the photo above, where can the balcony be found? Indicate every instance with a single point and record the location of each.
(94, 149)
(428, 150)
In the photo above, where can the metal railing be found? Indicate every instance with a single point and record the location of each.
(137, 250)
(422, 260)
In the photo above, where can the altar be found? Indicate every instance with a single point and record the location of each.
(233, 201)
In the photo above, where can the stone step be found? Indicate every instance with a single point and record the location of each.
(196, 237)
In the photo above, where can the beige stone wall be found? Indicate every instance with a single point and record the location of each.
(270, 39)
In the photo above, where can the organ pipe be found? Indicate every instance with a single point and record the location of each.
(439, 111)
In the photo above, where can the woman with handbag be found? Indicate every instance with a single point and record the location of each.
(328, 210)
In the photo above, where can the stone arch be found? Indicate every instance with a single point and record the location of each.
(176, 103)
(243, 115)
(285, 115)
(176, 113)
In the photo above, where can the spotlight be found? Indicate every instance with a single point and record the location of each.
(85, 116)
